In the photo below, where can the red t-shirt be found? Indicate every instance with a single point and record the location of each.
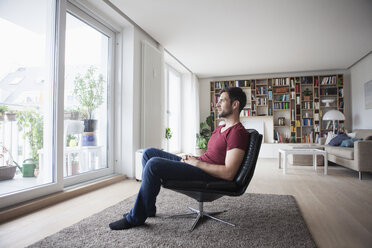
(219, 143)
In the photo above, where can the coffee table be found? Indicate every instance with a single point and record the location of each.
(313, 152)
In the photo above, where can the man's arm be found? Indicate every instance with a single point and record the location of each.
(234, 158)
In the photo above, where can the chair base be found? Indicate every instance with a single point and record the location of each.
(199, 215)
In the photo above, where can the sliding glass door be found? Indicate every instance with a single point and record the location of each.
(56, 83)
(27, 96)
(88, 63)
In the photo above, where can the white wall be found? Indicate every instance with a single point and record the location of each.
(131, 96)
(204, 94)
(360, 74)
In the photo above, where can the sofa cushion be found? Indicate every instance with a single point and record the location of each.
(368, 138)
(351, 135)
(336, 141)
(349, 142)
(330, 136)
(342, 152)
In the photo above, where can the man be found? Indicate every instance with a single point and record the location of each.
(226, 149)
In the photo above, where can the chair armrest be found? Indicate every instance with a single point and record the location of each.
(362, 155)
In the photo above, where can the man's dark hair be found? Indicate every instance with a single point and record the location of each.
(236, 94)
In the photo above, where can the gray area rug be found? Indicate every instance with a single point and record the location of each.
(261, 221)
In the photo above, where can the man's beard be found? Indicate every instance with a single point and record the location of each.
(225, 113)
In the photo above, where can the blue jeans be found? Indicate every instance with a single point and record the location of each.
(157, 166)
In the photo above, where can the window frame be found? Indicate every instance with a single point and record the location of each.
(94, 23)
(59, 9)
(169, 69)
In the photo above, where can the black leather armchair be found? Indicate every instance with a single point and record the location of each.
(204, 191)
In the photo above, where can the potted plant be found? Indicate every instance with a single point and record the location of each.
(8, 170)
(3, 109)
(307, 94)
(168, 136)
(88, 92)
(71, 114)
(204, 135)
(31, 123)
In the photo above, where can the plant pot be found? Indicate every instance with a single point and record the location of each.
(11, 116)
(7, 172)
(36, 172)
(90, 125)
(67, 115)
(75, 115)
(75, 169)
(89, 139)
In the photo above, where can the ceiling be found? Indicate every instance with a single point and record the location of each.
(240, 37)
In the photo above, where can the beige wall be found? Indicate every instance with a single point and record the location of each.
(360, 74)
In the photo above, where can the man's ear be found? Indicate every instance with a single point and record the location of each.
(235, 104)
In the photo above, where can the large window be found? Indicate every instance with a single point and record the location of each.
(56, 79)
(87, 81)
(173, 105)
(26, 94)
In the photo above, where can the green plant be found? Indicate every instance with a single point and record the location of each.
(168, 133)
(71, 140)
(307, 92)
(89, 91)
(31, 123)
(204, 134)
(3, 109)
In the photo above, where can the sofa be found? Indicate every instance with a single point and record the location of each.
(358, 158)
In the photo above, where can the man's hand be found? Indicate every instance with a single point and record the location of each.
(227, 171)
(190, 160)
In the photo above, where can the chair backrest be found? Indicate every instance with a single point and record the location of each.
(245, 173)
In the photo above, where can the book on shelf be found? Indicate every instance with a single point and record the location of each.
(297, 100)
(293, 129)
(270, 95)
(293, 95)
(341, 92)
(307, 122)
(329, 125)
(246, 112)
(278, 136)
(308, 138)
(316, 116)
(241, 83)
(308, 105)
(329, 80)
(341, 105)
(316, 128)
(281, 105)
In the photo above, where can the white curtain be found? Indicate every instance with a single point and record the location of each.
(190, 112)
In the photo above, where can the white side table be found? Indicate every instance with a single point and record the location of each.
(313, 152)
